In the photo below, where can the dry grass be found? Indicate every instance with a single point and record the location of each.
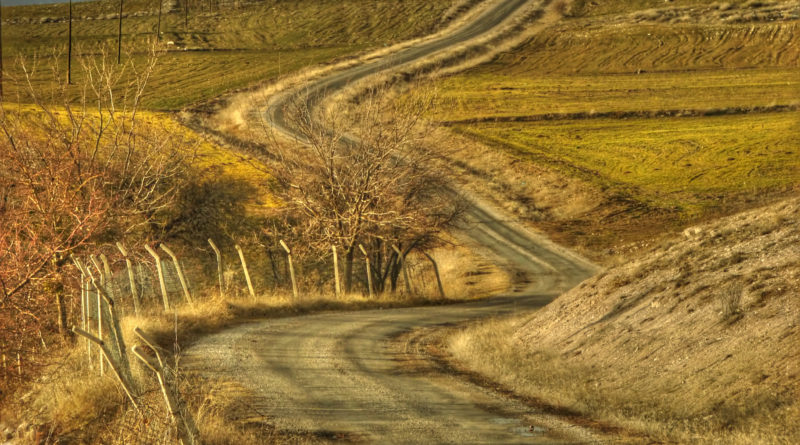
(221, 50)
(660, 345)
(464, 274)
(62, 405)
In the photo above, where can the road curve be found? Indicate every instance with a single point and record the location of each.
(340, 375)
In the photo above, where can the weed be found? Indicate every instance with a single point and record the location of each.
(730, 301)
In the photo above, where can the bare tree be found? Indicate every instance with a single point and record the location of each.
(73, 172)
(369, 183)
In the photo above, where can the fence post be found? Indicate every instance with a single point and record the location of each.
(119, 341)
(337, 286)
(99, 319)
(109, 284)
(160, 276)
(246, 273)
(436, 272)
(84, 304)
(369, 271)
(131, 278)
(187, 430)
(219, 265)
(99, 269)
(291, 267)
(181, 276)
(99, 342)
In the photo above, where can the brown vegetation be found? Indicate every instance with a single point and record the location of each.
(73, 174)
(368, 185)
(694, 340)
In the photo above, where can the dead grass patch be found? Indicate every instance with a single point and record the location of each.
(662, 351)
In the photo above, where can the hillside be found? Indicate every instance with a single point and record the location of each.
(626, 120)
(694, 340)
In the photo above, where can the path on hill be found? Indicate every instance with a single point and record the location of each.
(341, 375)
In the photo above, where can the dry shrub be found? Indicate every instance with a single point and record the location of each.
(730, 300)
(75, 171)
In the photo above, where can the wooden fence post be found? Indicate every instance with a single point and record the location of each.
(160, 276)
(337, 285)
(369, 271)
(131, 278)
(436, 272)
(219, 266)
(291, 268)
(246, 272)
(181, 276)
(402, 260)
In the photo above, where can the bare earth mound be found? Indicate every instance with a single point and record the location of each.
(701, 331)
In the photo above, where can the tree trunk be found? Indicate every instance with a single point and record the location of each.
(348, 269)
(62, 318)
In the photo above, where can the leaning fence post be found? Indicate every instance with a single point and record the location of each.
(337, 286)
(436, 272)
(187, 430)
(131, 278)
(181, 276)
(369, 270)
(291, 267)
(219, 265)
(402, 260)
(160, 276)
(99, 269)
(99, 342)
(109, 284)
(119, 341)
(246, 272)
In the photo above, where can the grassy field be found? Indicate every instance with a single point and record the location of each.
(684, 163)
(222, 49)
(688, 111)
(486, 96)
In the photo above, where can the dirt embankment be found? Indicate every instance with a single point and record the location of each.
(701, 331)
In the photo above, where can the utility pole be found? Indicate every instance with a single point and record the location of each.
(69, 51)
(158, 27)
(119, 36)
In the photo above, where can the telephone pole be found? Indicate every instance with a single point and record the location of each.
(119, 37)
(69, 51)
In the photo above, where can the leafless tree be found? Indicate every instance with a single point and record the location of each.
(364, 180)
(72, 172)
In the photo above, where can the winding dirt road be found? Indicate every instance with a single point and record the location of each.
(343, 375)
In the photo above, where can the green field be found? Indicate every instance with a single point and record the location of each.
(485, 95)
(687, 116)
(223, 47)
(681, 163)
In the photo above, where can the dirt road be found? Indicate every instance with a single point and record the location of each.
(343, 375)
